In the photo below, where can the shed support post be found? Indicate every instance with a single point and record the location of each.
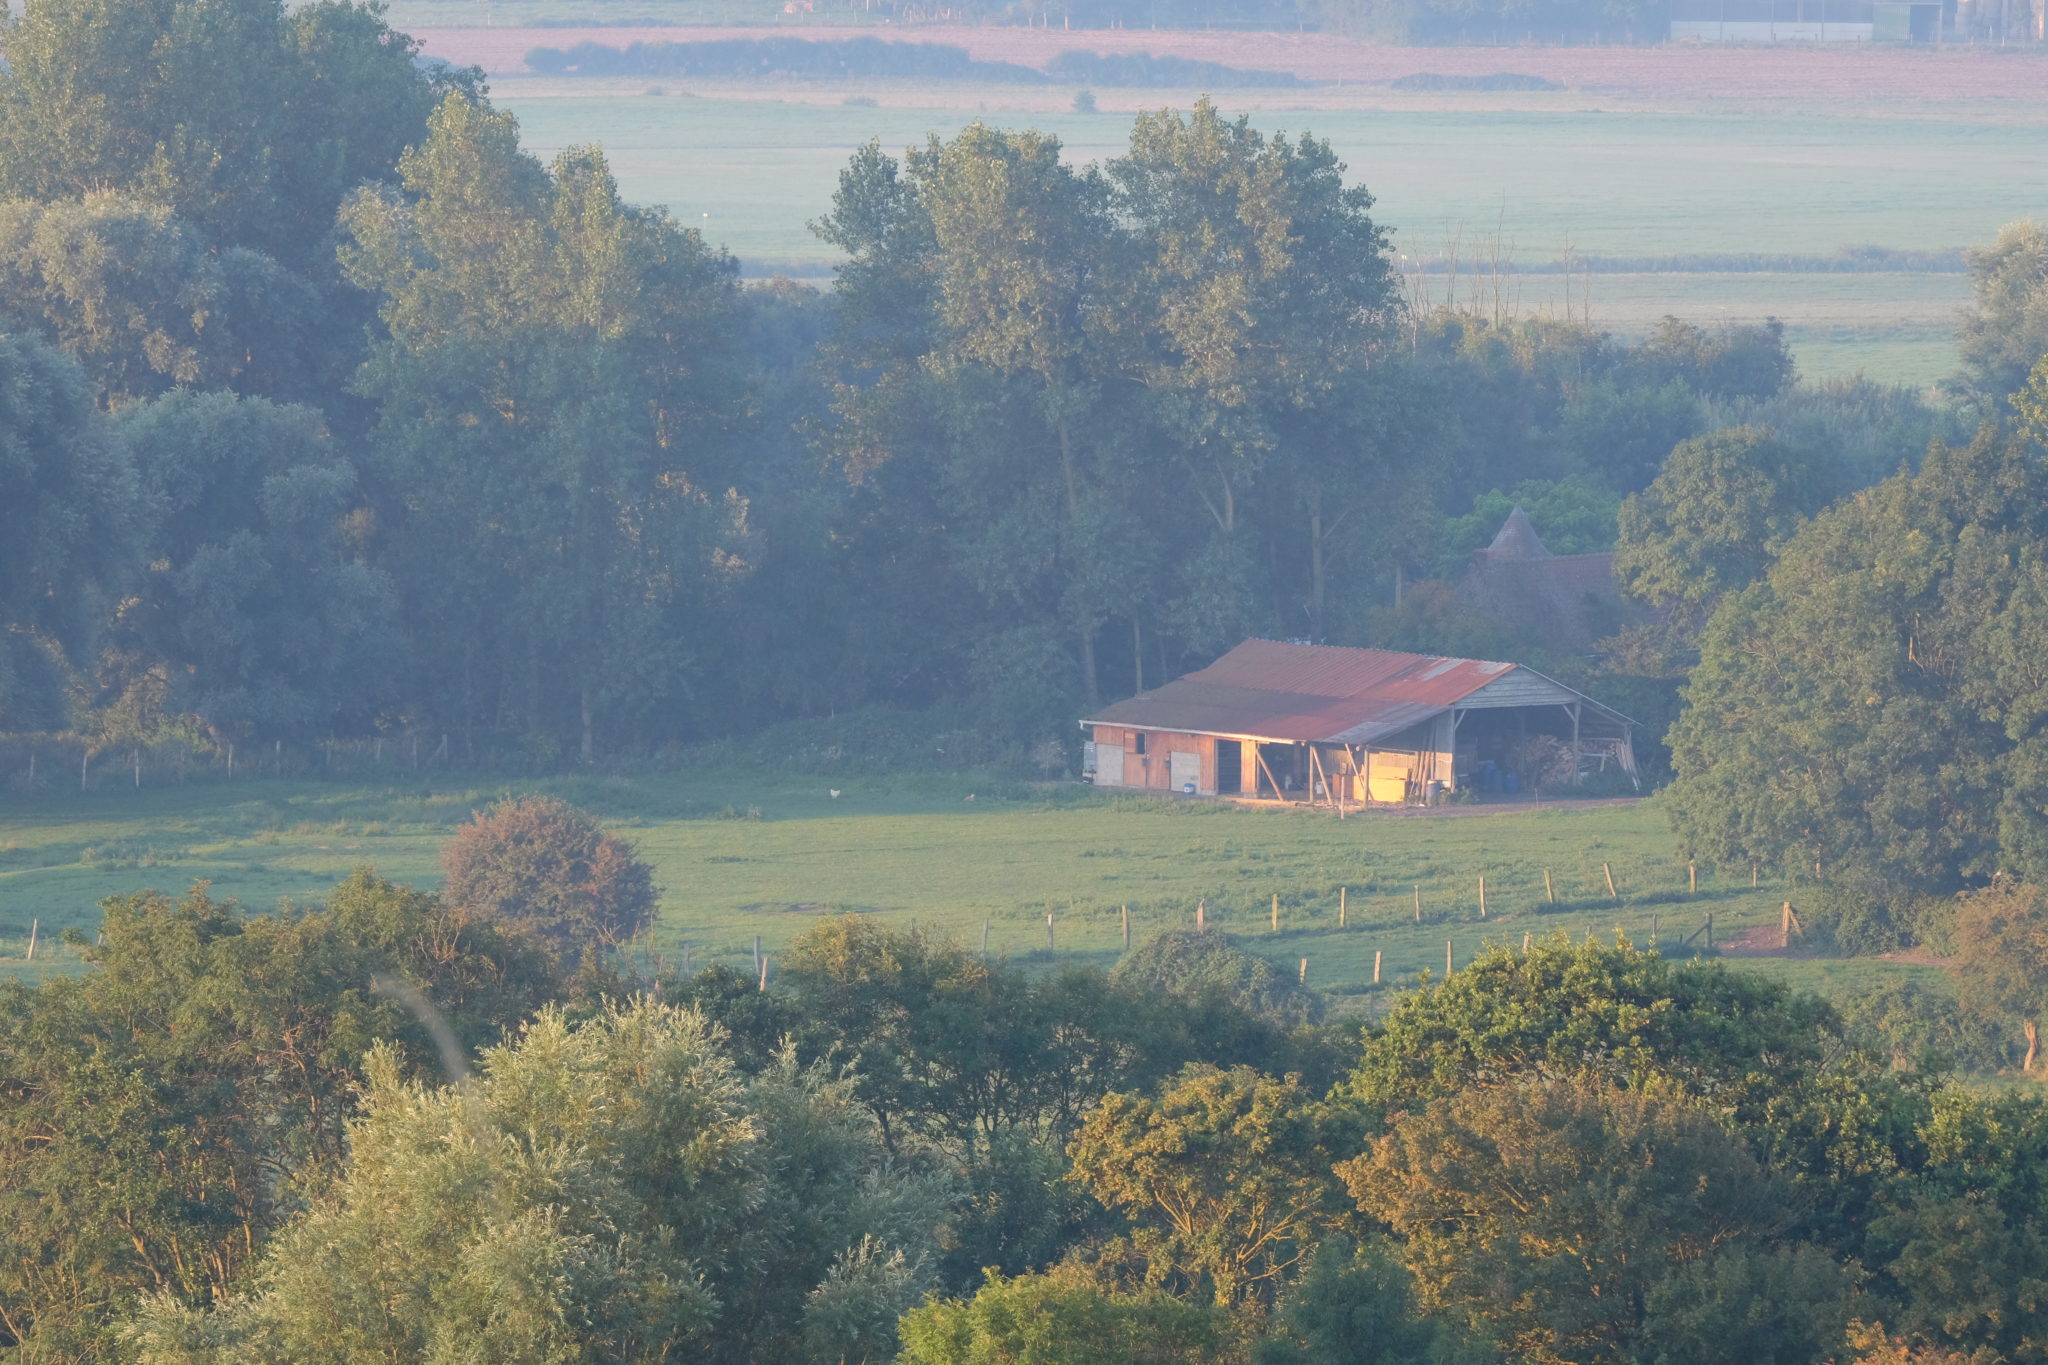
(1278, 795)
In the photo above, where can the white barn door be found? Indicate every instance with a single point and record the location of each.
(1109, 765)
(1184, 771)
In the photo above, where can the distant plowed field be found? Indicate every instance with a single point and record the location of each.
(1844, 71)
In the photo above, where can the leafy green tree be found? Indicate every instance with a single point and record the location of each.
(1874, 1346)
(2005, 332)
(1225, 1176)
(1873, 702)
(951, 1048)
(997, 1068)
(1258, 289)
(1769, 1063)
(551, 405)
(539, 866)
(1061, 1319)
(2001, 956)
(1854, 432)
(1786, 1304)
(976, 296)
(1620, 433)
(1730, 362)
(145, 301)
(1545, 1217)
(1352, 1306)
(1921, 1024)
(160, 1109)
(257, 612)
(2031, 403)
(1714, 517)
(1210, 968)
(1625, 1015)
(1966, 1273)
(605, 1191)
(69, 507)
(1197, 339)
(248, 121)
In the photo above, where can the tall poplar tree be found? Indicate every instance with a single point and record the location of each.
(549, 442)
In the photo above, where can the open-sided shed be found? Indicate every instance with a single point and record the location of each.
(1324, 723)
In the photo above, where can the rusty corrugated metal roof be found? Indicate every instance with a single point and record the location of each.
(1306, 693)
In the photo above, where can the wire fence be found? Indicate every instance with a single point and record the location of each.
(54, 763)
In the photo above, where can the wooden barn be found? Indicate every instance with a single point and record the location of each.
(1326, 724)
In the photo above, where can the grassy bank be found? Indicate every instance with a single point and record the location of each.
(738, 854)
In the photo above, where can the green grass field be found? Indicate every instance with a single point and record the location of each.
(752, 165)
(738, 855)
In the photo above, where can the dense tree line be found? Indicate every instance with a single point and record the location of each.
(331, 413)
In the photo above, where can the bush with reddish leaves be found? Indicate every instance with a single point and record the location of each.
(542, 867)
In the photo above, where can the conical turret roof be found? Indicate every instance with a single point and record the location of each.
(1517, 539)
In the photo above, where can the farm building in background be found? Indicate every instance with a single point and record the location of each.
(1818, 21)
(1327, 724)
(1570, 602)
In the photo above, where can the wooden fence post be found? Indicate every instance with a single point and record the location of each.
(764, 973)
(757, 952)
(1752, 876)
(1785, 926)
(1482, 896)
(984, 940)
(1609, 870)
(1418, 905)
(1048, 931)
(1304, 971)
(1525, 943)
(1447, 959)
(34, 926)
(1276, 912)
(1710, 931)
(1548, 893)
(1692, 879)
(84, 758)
(1340, 905)
(1200, 922)
(1127, 928)
(1376, 965)
(136, 756)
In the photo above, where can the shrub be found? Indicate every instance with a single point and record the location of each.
(1209, 967)
(543, 867)
(1859, 916)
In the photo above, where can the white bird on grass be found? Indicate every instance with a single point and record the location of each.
(834, 791)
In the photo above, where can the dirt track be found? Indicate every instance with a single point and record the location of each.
(1844, 71)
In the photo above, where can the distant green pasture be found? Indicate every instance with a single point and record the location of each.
(752, 169)
(738, 855)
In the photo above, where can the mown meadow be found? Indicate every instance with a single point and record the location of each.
(738, 854)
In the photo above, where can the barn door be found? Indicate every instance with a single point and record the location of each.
(1184, 771)
(1109, 765)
